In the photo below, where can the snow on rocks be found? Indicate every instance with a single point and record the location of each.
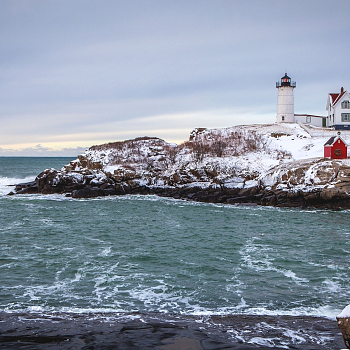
(306, 174)
(228, 165)
(343, 320)
(345, 312)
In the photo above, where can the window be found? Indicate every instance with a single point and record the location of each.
(282, 118)
(345, 117)
(345, 104)
(308, 119)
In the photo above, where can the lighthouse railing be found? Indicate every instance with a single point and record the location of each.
(282, 83)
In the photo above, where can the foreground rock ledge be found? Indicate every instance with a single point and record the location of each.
(166, 332)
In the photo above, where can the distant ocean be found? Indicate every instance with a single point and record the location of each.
(149, 254)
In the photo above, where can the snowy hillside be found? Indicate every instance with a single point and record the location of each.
(275, 164)
(237, 156)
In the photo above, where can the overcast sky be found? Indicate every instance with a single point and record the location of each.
(74, 73)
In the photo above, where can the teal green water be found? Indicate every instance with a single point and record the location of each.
(22, 167)
(144, 253)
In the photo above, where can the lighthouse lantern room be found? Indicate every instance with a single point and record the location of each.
(285, 101)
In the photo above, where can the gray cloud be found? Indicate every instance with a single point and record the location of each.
(40, 151)
(72, 68)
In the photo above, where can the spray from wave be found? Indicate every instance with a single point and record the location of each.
(7, 184)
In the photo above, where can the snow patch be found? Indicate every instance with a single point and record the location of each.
(345, 313)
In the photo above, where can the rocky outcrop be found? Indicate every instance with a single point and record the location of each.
(229, 166)
(291, 187)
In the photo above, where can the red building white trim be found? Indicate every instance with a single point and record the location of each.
(335, 148)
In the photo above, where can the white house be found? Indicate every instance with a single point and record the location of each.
(338, 108)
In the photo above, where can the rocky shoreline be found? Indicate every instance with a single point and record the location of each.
(54, 182)
(166, 332)
(238, 165)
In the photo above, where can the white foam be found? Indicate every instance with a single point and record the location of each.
(294, 336)
(286, 336)
(256, 257)
(332, 286)
(160, 298)
(7, 183)
(269, 342)
(294, 277)
(106, 251)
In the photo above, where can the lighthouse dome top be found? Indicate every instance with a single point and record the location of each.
(285, 81)
(285, 77)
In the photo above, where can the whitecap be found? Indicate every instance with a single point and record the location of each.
(106, 251)
(269, 342)
(7, 183)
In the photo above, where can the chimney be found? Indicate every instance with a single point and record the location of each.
(341, 90)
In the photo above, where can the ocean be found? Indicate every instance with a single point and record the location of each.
(146, 255)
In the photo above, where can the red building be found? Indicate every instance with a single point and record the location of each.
(335, 148)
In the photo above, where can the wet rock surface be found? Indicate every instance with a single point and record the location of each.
(166, 332)
(50, 182)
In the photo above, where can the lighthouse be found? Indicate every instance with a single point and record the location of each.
(285, 101)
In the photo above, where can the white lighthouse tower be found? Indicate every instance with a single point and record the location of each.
(285, 101)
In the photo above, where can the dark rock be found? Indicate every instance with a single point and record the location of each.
(27, 185)
(87, 192)
(222, 199)
(104, 186)
(46, 181)
(232, 191)
(245, 192)
(87, 183)
(165, 332)
(110, 191)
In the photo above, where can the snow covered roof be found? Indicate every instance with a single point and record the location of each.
(333, 140)
(335, 97)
